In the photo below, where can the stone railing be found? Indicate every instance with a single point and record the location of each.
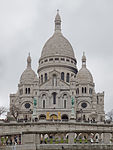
(41, 134)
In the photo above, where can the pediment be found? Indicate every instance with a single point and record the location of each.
(49, 84)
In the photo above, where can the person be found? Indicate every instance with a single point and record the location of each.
(6, 140)
(2, 140)
(91, 140)
(10, 141)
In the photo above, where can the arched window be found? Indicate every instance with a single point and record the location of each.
(67, 77)
(64, 103)
(97, 100)
(62, 76)
(41, 78)
(28, 90)
(21, 91)
(82, 90)
(85, 90)
(77, 91)
(43, 103)
(54, 82)
(64, 117)
(45, 77)
(42, 117)
(90, 91)
(84, 117)
(54, 98)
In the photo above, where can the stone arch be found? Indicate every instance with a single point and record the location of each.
(93, 117)
(54, 79)
(77, 91)
(45, 76)
(82, 101)
(62, 76)
(67, 77)
(42, 117)
(26, 102)
(65, 117)
(54, 117)
(65, 93)
(41, 78)
(43, 93)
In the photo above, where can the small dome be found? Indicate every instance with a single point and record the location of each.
(84, 75)
(57, 45)
(28, 76)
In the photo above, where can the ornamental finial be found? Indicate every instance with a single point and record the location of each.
(29, 60)
(83, 60)
(57, 21)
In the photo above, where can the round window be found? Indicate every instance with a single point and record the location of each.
(27, 105)
(84, 105)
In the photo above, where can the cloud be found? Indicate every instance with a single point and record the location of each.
(26, 25)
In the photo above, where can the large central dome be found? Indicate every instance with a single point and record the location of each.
(57, 53)
(57, 45)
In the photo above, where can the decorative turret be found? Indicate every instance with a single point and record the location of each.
(84, 76)
(28, 76)
(29, 61)
(57, 21)
(83, 60)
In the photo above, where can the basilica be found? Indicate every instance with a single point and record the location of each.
(58, 91)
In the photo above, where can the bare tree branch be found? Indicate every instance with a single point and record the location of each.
(14, 111)
(3, 110)
(110, 115)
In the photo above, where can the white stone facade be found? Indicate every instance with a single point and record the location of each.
(59, 81)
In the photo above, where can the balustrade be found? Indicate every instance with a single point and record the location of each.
(10, 139)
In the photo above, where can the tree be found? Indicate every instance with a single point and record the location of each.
(3, 110)
(110, 115)
(14, 111)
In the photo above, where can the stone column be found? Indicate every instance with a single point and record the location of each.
(71, 138)
(89, 137)
(100, 138)
(0, 140)
(106, 138)
(37, 138)
(111, 137)
(30, 138)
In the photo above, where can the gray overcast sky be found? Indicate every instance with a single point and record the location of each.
(25, 25)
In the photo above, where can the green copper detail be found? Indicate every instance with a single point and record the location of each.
(34, 102)
(72, 101)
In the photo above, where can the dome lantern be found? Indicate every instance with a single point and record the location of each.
(57, 22)
(83, 60)
(84, 76)
(29, 61)
(28, 76)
